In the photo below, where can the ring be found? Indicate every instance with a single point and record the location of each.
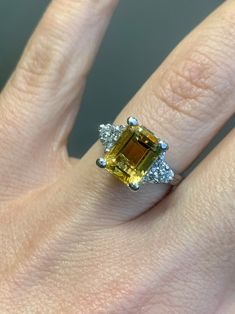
(135, 155)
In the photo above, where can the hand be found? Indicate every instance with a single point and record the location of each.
(75, 240)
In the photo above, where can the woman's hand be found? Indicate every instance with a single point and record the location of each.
(75, 240)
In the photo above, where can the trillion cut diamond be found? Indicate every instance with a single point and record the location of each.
(109, 134)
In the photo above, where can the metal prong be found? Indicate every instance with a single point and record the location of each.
(163, 145)
(101, 162)
(132, 121)
(134, 186)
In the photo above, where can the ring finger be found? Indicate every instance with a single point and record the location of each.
(186, 101)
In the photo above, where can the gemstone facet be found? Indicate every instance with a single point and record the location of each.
(133, 154)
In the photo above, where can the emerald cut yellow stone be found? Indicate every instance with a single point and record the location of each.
(133, 154)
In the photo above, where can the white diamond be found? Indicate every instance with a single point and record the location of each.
(109, 134)
(160, 172)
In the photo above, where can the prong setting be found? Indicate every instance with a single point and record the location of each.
(134, 186)
(101, 162)
(163, 145)
(132, 121)
(124, 146)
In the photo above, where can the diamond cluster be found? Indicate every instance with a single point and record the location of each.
(109, 134)
(160, 172)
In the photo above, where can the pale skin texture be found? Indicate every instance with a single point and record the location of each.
(75, 240)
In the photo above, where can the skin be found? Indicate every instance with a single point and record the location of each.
(75, 240)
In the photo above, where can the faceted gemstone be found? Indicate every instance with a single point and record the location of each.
(133, 154)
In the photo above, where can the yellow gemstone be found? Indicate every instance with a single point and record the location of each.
(132, 155)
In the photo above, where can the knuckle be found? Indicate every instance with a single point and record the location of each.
(37, 67)
(193, 85)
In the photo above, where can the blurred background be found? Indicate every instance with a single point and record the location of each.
(140, 36)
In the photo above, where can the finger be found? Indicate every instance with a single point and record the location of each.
(186, 101)
(200, 244)
(40, 101)
(208, 194)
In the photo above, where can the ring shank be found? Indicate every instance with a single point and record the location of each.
(176, 180)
